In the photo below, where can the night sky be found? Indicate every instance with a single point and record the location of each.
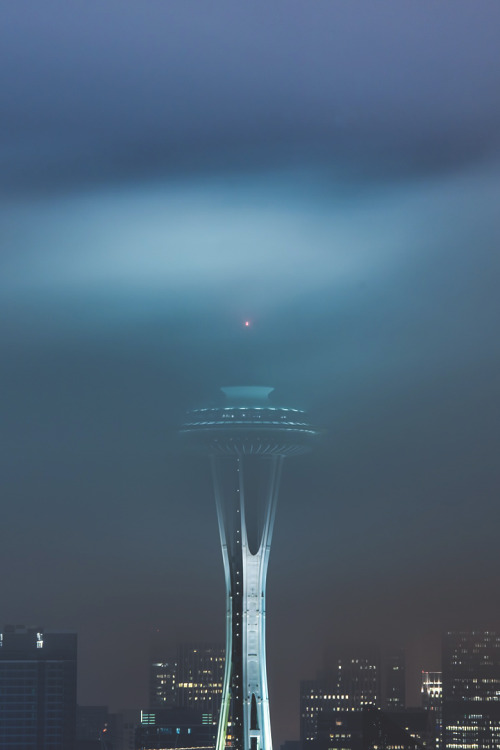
(328, 171)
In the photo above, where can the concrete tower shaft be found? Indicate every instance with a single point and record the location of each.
(247, 440)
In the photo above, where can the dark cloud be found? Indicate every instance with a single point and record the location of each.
(102, 94)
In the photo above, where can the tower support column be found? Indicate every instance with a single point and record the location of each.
(245, 554)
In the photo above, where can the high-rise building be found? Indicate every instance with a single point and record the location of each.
(247, 440)
(200, 677)
(471, 690)
(432, 702)
(193, 679)
(395, 682)
(37, 689)
(351, 683)
(163, 683)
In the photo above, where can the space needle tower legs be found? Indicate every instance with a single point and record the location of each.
(245, 679)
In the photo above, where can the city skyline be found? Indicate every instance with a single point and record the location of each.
(171, 171)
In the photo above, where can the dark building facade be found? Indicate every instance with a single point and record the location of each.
(200, 679)
(192, 680)
(373, 729)
(405, 729)
(122, 730)
(351, 683)
(471, 691)
(37, 689)
(163, 683)
(174, 729)
(395, 681)
(92, 727)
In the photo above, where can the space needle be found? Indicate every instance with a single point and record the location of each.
(247, 439)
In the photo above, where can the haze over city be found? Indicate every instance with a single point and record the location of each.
(328, 172)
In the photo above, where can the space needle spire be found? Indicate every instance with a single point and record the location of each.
(247, 440)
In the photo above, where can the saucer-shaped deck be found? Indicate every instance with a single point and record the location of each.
(248, 424)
